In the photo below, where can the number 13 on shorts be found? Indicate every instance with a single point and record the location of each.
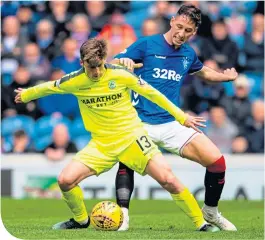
(137, 155)
(145, 143)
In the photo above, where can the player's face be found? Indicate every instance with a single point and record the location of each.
(182, 28)
(94, 72)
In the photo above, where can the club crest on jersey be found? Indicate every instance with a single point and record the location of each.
(185, 62)
(112, 84)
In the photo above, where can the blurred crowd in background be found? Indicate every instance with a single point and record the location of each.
(41, 40)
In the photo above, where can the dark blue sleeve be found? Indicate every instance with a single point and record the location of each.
(135, 51)
(196, 65)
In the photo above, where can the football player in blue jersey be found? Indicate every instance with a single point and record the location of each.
(167, 59)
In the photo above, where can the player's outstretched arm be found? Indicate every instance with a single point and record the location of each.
(127, 62)
(155, 96)
(214, 76)
(38, 91)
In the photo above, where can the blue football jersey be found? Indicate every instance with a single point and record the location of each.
(164, 68)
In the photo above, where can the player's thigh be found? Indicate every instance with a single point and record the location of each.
(202, 150)
(160, 170)
(95, 159)
(73, 173)
(137, 154)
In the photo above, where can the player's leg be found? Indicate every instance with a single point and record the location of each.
(136, 157)
(159, 169)
(89, 161)
(124, 184)
(202, 150)
(72, 194)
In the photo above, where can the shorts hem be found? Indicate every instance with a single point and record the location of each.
(143, 173)
(87, 165)
(187, 141)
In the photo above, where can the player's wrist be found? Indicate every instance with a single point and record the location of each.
(182, 118)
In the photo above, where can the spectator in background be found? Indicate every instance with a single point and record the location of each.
(160, 10)
(151, 26)
(239, 145)
(238, 107)
(60, 18)
(204, 31)
(12, 41)
(22, 79)
(8, 107)
(69, 61)
(196, 42)
(56, 74)
(254, 45)
(11, 47)
(254, 128)
(220, 48)
(61, 144)
(221, 130)
(97, 16)
(20, 142)
(38, 65)
(44, 38)
(81, 29)
(26, 19)
(199, 96)
(118, 35)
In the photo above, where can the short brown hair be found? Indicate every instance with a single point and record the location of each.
(93, 50)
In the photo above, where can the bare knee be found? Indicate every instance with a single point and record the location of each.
(65, 182)
(169, 182)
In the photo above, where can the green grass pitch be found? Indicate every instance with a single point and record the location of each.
(150, 219)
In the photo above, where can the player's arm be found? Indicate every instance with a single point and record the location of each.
(144, 89)
(38, 91)
(209, 74)
(132, 56)
(214, 76)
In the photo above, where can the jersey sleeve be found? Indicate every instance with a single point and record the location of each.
(61, 86)
(196, 65)
(140, 86)
(135, 51)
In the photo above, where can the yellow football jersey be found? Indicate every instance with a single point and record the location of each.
(105, 105)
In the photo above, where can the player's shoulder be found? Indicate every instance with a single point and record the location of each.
(72, 75)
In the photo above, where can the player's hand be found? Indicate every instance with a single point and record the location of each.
(195, 122)
(18, 91)
(129, 63)
(231, 74)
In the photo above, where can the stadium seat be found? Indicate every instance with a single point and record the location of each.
(20, 122)
(7, 144)
(78, 128)
(57, 103)
(81, 141)
(41, 143)
(44, 125)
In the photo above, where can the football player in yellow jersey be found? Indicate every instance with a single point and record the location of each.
(117, 133)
